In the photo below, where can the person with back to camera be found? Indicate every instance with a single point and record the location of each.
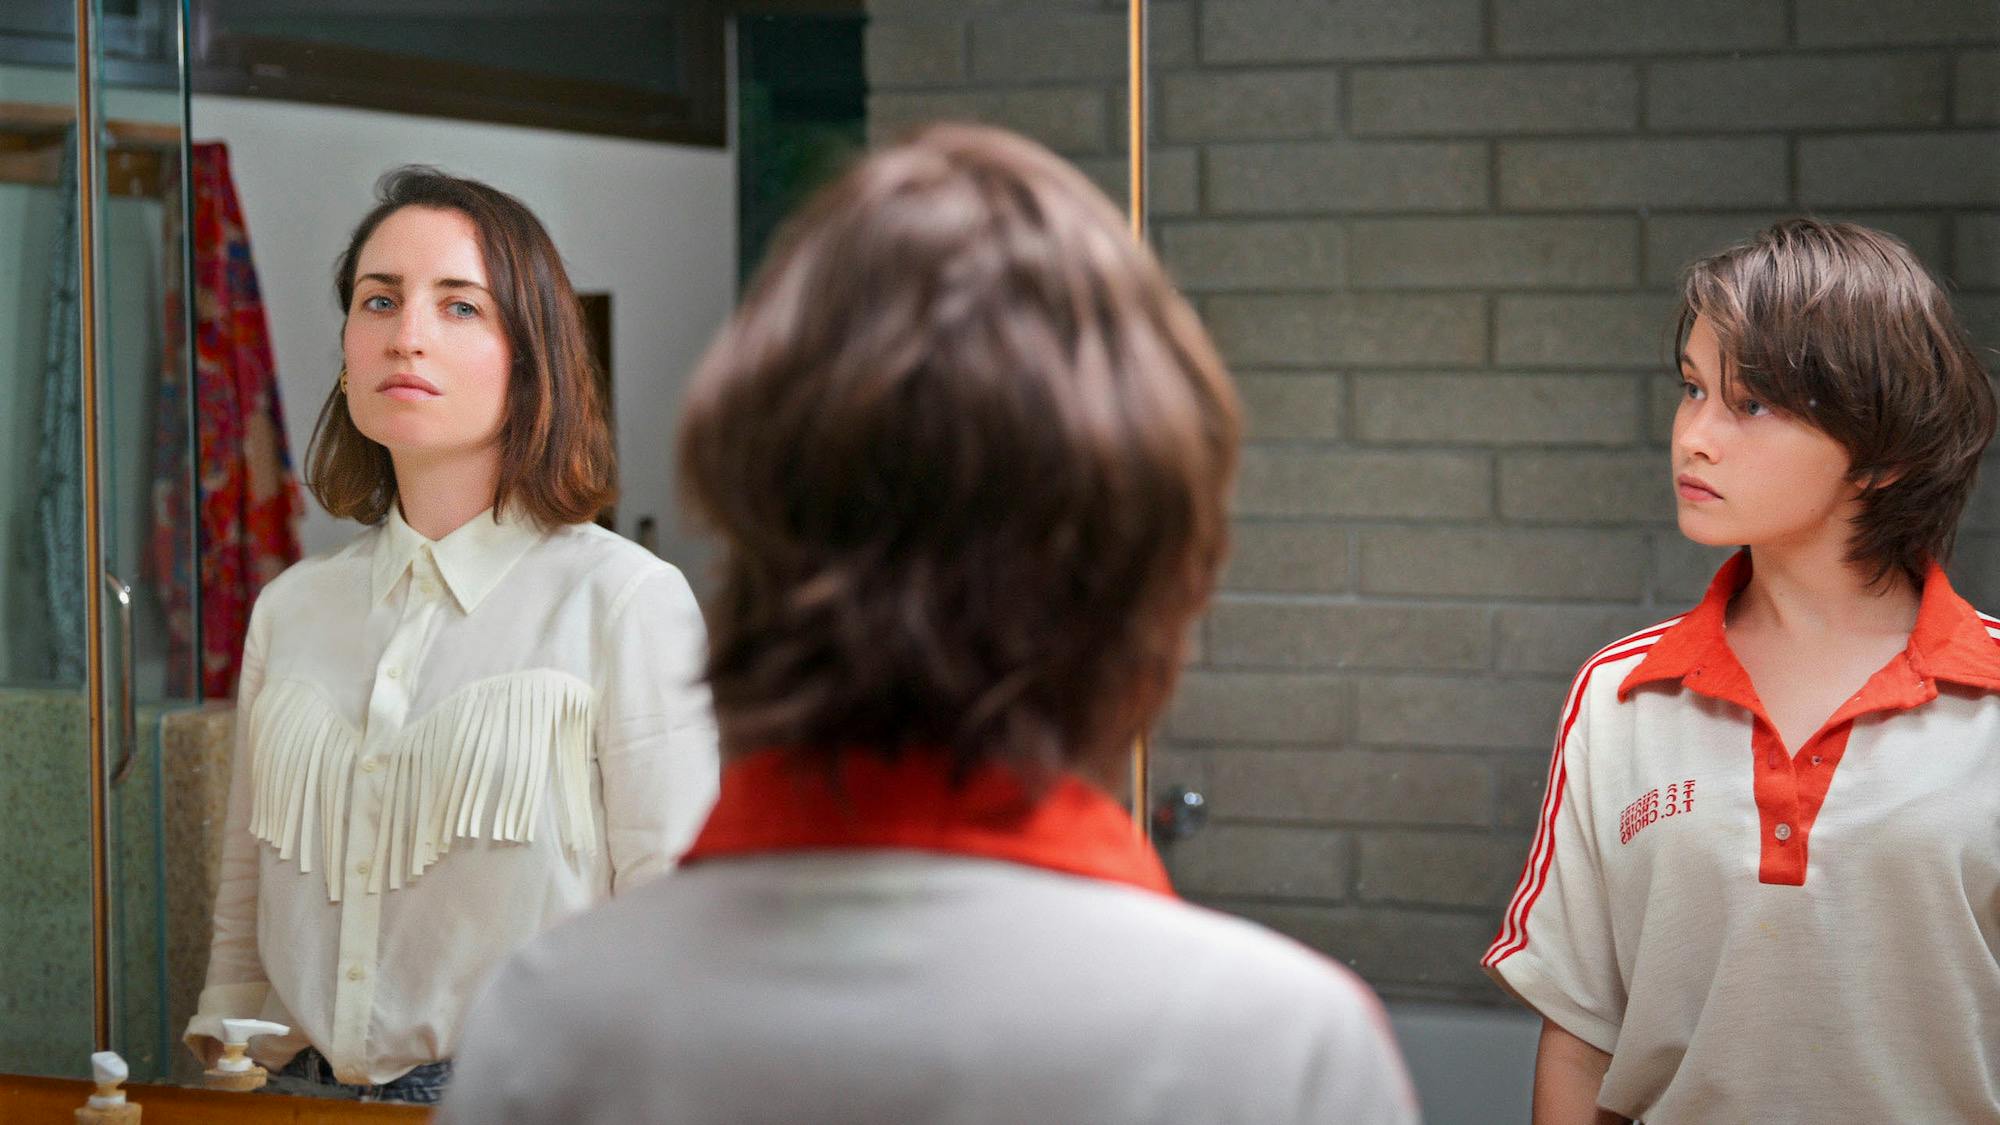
(968, 455)
(483, 714)
(1766, 882)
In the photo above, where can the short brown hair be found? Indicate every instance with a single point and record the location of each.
(556, 461)
(969, 454)
(1840, 326)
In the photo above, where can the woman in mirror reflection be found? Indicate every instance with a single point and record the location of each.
(482, 715)
(1766, 882)
(968, 455)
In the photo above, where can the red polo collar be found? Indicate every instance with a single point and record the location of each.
(1790, 783)
(1949, 643)
(775, 801)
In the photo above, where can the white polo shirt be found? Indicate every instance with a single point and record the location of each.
(891, 949)
(1761, 935)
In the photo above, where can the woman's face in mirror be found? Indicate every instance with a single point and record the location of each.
(427, 356)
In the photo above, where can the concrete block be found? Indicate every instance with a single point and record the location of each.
(903, 54)
(1456, 711)
(1960, 168)
(1879, 23)
(1503, 563)
(1555, 640)
(1494, 253)
(1802, 92)
(1262, 860)
(1594, 331)
(1682, 569)
(1293, 481)
(1636, 27)
(1663, 398)
(1673, 242)
(1277, 31)
(1349, 328)
(1480, 100)
(1249, 105)
(1975, 95)
(1647, 173)
(1435, 951)
(1346, 176)
(1586, 488)
(1072, 120)
(1496, 409)
(1301, 634)
(1252, 707)
(1435, 868)
(1212, 256)
(1977, 250)
(1286, 558)
(1520, 791)
(1033, 44)
(1303, 407)
(1351, 786)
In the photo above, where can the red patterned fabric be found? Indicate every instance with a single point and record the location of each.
(246, 503)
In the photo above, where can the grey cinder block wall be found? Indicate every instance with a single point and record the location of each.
(1438, 240)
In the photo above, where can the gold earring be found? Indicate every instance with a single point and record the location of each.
(343, 378)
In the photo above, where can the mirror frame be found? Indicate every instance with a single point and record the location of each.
(89, 159)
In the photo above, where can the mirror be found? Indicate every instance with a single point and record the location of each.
(1439, 245)
(661, 145)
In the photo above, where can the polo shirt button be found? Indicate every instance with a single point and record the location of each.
(1815, 759)
(370, 765)
(394, 673)
(362, 868)
(356, 973)
(1783, 832)
(1772, 759)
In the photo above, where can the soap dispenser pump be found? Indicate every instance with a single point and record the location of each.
(108, 1105)
(234, 1070)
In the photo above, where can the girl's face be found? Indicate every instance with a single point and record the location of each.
(427, 357)
(1747, 475)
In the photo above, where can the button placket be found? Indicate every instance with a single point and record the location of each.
(361, 905)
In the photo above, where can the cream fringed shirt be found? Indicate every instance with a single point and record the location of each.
(442, 748)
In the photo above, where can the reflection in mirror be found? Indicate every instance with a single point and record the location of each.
(223, 340)
(1439, 243)
(45, 909)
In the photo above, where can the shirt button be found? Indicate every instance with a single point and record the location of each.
(429, 588)
(356, 973)
(1783, 832)
(362, 868)
(370, 765)
(1815, 759)
(394, 673)
(1772, 759)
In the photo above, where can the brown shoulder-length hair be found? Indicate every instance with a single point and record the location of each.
(1839, 325)
(968, 453)
(556, 460)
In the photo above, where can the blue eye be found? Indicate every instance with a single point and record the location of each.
(463, 310)
(1754, 408)
(1692, 392)
(377, 303)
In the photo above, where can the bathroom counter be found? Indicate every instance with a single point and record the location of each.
(29, 1100)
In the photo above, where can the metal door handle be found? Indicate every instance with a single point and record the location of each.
(128, 719)
(1178, 814)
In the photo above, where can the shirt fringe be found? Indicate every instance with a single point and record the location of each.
(480, 766)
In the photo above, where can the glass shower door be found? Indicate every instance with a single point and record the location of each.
(45, 896)
(132, 237)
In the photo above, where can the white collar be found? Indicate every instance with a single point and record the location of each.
(472, 560)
